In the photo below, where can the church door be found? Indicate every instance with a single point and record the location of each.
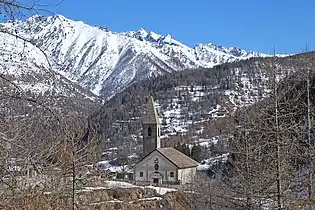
(156, 181)
(157, 178)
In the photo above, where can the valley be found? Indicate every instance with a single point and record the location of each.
(73, 98)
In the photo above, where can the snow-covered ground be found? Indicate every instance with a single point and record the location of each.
(205, 142)
(147, 199)
(121, 184)
(107, 166)
(206, 164)
(161, 190)
(117, 184)
(109, 185)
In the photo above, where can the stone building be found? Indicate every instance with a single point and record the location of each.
(161, 166)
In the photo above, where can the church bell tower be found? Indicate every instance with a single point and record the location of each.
(150, 128)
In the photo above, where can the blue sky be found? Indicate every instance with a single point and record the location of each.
(248, 24)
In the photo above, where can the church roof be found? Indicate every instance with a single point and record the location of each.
(177, 158)
(150, 115)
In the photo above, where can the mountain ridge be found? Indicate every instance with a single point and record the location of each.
(106, 62)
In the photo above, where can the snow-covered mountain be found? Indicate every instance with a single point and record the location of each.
(106, 62)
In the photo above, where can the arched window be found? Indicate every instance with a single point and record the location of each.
(158, 133)
(149, 131)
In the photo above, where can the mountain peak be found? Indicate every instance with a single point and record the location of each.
(107, 62)
(41, 18)
(144, 35)
(142, 31)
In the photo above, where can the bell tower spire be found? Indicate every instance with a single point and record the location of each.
(150, 128)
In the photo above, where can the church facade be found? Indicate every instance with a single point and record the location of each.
(161, 166)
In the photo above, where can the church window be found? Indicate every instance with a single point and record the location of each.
(149, 131)
(158, 131)
(141, 174)
(172, 174)
(156, 167)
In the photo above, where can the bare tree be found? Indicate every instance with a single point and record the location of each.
(46, 145)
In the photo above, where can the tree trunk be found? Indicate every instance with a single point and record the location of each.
(278, 143)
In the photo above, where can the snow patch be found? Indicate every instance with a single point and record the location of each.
(161, 190)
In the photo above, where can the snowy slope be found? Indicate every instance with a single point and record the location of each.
(25, 72)
(26, 66)
(106, 62)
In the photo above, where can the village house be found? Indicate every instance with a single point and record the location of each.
(161, 166)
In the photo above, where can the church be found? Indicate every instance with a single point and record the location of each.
(161, 166)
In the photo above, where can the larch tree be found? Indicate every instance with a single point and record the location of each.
(36, 134)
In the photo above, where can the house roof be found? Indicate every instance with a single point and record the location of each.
(177, 158)
(150, 115)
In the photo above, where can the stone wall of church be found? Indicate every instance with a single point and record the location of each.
(186, 175)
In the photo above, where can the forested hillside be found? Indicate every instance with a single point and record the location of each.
(271, 159)
(194, 103)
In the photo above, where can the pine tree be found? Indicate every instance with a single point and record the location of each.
(196, 152)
